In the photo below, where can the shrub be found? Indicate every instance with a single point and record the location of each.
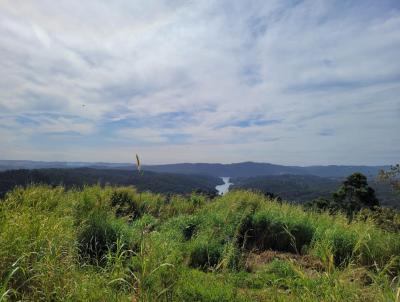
(385, 218)
(267, 231)
(343, 244)
(205, 254)
(97, 228)
(98, 235)
(123, 200)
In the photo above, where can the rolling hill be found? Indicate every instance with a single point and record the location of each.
(303, 188)
(244, 169)
(78, 177)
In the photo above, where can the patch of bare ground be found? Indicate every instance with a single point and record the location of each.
(309, 264)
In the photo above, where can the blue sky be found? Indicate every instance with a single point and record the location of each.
(288, 82)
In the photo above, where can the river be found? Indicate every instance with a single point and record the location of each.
(222, 189)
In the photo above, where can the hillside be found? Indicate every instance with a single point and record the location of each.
(294, 188)
(303, 188)
(115, 244)
(250, 169)
(244, 169)
(155, 182)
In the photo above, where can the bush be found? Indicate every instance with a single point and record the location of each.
(205, 253)
(385, 218)
(267, 231)
(343, 245)
(99, 235)
(97, 228)
(123, 200)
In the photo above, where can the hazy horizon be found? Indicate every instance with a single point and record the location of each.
(173, 163)
(285, 82)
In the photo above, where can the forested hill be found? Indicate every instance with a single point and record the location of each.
(249, 169)
(244, 169)
(303, 188)
(155, 182)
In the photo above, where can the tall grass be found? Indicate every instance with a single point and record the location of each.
(114, 244)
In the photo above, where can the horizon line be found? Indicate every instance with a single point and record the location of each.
(191, 163)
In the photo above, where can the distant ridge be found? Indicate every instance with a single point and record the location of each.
(244, 169)
(248, 169)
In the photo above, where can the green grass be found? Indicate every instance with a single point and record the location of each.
(115, 244)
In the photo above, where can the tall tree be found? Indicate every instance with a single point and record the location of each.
(354, 194)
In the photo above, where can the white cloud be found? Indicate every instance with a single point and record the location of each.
(315, 66)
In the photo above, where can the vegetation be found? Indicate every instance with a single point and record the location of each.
(299, 188)
(116, 244)
(78, 177)
(303, 188)
(294, 188)
(385, 218)
(392, 176)
(353, 195)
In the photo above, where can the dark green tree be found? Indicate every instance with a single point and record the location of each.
(353, 195)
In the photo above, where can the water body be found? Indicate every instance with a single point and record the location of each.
(222, 189)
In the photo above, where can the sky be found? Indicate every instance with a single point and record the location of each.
(287, 82)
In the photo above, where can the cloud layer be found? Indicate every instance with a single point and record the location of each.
(291, 82)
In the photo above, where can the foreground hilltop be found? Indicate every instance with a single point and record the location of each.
(116, 244)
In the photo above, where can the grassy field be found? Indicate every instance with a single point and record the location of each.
(115, 244)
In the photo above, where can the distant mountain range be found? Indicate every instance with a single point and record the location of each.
(29, 164)
(250, 169)
(244, 169)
